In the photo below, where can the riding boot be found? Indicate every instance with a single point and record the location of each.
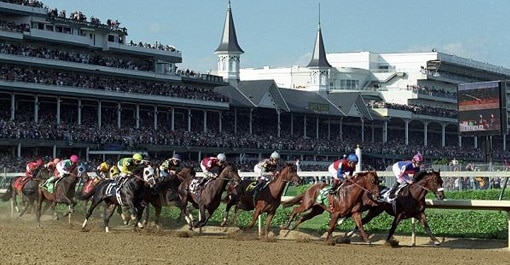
(49, 181)
(393, 190)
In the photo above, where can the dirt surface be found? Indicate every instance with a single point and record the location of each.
(56, 242)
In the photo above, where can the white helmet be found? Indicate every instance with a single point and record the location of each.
(275, 156)
(222, 157)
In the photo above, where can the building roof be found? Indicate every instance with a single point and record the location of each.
(319, 52)
(229, 39)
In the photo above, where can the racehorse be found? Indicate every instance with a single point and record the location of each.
(25, 188)
(410, 202)
(207, 198)
(348, 201)
(167, 193)
(63, 192)
(130, 195)
(266, 201)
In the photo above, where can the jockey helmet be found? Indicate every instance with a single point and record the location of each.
(56, 160)
(138, 157)
(103, 167)
(176, 157)
(275, 156)
(74, 159)
(418, 158)
(222, 157)
(114, 170)
(39, 162)
(352, 158)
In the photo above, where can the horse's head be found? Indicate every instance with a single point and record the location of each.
(431, 181)
(185, 173)
(149, 176)
(288, 173)
(230, 172)
(369, 181)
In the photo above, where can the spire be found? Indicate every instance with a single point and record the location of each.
(319, 53)
(229, 38)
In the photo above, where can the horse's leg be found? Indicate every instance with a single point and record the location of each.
(14, 199)
(38, 208)
(332, 224)
(394, 225)
(157, 214)
(316, 210)
(95, 202)
(357, 220)
(426, 227)
(186, 212)
(227, 209)
(255, 215)
(109, 209)
(269, 217)
(372, 213)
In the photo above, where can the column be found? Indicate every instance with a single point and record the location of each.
(251, 121)
(220, 116)
(36, 109)
(317, 127)
(279, 123)
(425, 133)
(340, 128)
(172, 120)
(304, 126)
(443, 134)
(13, 106)
(385, 132)
(189, 120)
(329, 128)
(119, 114)
(406, 132)
(475, 141)
(362, 130)
(155, 117)
(80, 106)
(58, 109)
(460, 141)
(137, 114)
(291, 124)
(99, 114)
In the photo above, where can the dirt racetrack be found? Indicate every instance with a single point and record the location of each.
(58, 243)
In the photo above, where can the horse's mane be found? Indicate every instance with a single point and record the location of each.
(422, 174)
(292, 166)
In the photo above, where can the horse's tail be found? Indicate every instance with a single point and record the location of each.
(8, 194)
(293, 201)
(80, 195)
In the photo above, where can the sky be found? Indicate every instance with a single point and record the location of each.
(281, 33)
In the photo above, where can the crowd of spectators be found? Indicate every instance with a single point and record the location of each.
(33, 3)
(416, 109)
(432, 91)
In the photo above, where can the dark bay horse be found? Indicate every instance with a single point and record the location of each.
(64, 192)
(208, 198)
(410, 202)
(348, 201)
(26, 189)
(130, 196)
(167, 193)
(267, 201)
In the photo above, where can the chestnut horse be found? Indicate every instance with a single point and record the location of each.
(267, 201)
(167, 193)
(410, 202)
(63, 193)
(348, 201)
(207, 198)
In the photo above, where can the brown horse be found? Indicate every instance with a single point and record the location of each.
(348, 201)
(267, 201)
(208, 198)
(26, 189)
(63, 193)
(410, 202)
(167, 193)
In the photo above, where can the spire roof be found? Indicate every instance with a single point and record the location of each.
(319, 53)
(229, 39)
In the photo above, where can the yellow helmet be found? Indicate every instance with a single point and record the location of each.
(114, 171)
(138, 157)
(103, 167)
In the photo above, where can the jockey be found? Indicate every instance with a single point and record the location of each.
(266, 169)
(52, 164)
(402, 169)
(114, 172)
(340, 169)
(127, 165)
(103, 170)
(210, 165)
(62, 169)
(171, 166)
(31, 167)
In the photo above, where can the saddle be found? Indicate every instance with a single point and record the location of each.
(385, 193)
(195, 185)
(20, 182)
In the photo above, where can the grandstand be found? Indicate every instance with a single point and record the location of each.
(72, 84)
